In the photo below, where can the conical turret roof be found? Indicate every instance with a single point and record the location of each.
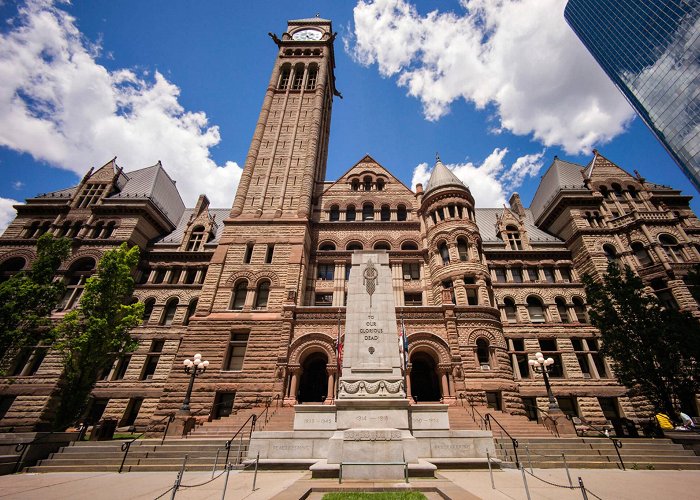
(441, 176)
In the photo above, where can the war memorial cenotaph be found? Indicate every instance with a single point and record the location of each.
(371, 428)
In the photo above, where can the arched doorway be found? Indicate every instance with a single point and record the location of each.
(425, 385)
(313, 386)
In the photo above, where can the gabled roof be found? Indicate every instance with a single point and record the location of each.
(601, 163)
(486, 219)
(560, 175)
(175, 237)
(358, 166)
(441, 176)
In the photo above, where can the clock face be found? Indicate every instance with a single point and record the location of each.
(307, 35)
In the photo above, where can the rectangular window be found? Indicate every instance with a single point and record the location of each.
(532, 274)
(269, 254)
(568, 405)
(90, 195)
(610, 408)
(37, 359)
(122, 365)
(157, 345)
(175, 276)
(411, 271)
(472, 297)
(523, 365)
(325, 272)
(583, 364)
(518, 345)
(500, 275)
(21, 361)
(323, 299)
(348, 267)
(150, 367)
(236, 352)
(248, 256)
(548, 274)
(565, 274)
(413, 299)
(223, 404)
(190, 276)
(159, 277)
(5, 404)
(517, 274)
(132, 411)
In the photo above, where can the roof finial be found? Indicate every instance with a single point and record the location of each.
(318, 14)
(437, 156)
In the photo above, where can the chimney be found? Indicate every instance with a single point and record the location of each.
(516, 205)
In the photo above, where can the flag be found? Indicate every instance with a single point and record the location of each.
(403, 345)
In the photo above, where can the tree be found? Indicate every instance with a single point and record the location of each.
(27, 298)
(655, 350)
(91, 336)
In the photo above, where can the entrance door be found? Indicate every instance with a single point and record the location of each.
(493, 400)
(97, 408)
(223, 404)
(313, 387)
(530, 408)
(132, 411)
(425, 385)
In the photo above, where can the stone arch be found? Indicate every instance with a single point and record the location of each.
(429, 342)
(268, 275)
(308, 344)
(94, 254)
(409, 241)
(25, 254)
(493, 338)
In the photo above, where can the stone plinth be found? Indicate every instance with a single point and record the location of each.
(430, 417)
(314, 417)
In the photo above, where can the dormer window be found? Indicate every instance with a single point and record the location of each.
(513, 237)
(196, 239)
(91, 194)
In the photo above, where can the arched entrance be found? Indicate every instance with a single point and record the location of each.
(425, 385)
(313, 386)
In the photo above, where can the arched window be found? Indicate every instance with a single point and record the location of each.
(109, 230)
(367, 183)
(633, 192)
(604, 191)
(169, 312)
(191, 308)
(510, 310)
(367, 211)
(385, 213)
(97, 232)
(618, 191)
(148, 310)
(483, 354)
(311, 78)
(239, 295)
(672, 248)
(262, 294)
(513, 236)
(284, 77)
(409, 245)
(355, 184)
(561, 307)
(335, 213)
(32, 230)
(610, 254)
(380, 184)
(75, 279)
(580, 310)
(401, 212)
(444, 253)
(327, 246)
(354, 245)
(535, 309)
(196, 239)
(641, 254)
(463, 248)
(298, 77)
(382, 245)
(664, 294)
(350, 213)
(10, 267)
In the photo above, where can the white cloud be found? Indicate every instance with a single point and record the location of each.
(492, 180)
(17, 185)
(60, 106)
(518, 55)
(7, 213)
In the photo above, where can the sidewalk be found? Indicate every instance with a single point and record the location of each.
(288, 485)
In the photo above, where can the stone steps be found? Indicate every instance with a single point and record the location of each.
(660, 454)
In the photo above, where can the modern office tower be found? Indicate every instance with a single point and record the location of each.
(651, 51)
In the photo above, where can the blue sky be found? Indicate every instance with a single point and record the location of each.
(498, 89)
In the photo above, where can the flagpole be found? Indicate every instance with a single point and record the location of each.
(338, 350)
(404, 343)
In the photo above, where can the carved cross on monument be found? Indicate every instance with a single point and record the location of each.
(369, 276)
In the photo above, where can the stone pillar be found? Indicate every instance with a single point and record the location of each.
(330, 394)
(445, 385)
(295, 383)
(408, 382)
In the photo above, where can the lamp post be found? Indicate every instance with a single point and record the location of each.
(194, 368)
(541, 365)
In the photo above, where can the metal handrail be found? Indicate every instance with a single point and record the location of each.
(227, 445)
(126, 445)
(615, 441)
(513, 441)
(21, 448)
(470, 400)
(546, 414)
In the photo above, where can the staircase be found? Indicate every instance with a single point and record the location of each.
(277, 419)
(471, 418)
(598, 453)
(145, 455)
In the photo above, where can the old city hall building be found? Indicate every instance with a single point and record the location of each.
(260, 289)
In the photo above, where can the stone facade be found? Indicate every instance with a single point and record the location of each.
(260, 290)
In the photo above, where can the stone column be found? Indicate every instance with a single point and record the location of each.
(295, 383)
(330, 394)
(445, 385)
(408, 382)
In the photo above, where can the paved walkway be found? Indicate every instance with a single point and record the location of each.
(290, 485)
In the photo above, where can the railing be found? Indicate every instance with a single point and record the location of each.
(22, 448)
(615, 441)
(126, 446)
(547, 418)
(239, 434)
(488, 418)
(481, 422)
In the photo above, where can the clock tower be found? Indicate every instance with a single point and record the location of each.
(287, 156)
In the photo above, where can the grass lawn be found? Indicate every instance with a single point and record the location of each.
(385, 495)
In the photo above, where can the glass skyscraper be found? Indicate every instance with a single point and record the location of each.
(651, 50)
